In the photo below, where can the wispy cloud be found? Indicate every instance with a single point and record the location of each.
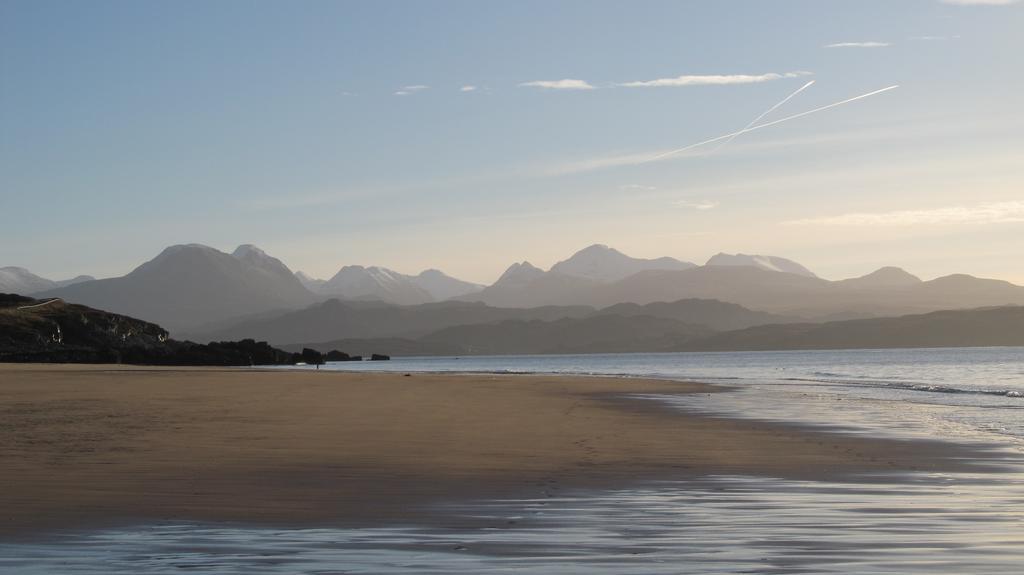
(979, 2)
(858, 45)
(564, 84)
(468, 88)
(712, 80)
(702, 205)
(988, 213)
(636, 188)
(408, 90)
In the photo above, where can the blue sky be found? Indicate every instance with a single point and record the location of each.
(467, 135)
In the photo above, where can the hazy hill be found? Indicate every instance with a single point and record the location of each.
(999, 326)
(519, 275)
(748, 286)
(349, 321)
(312, 284)
(442, 286)
(336, 319)
(882, 278)
(523, 285)
(21, 281)
(187, 286)
(717, 315)
(604, 264)
(794, 294)
(767, 263)
(611, 333)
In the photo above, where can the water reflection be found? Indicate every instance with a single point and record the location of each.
(922, 523)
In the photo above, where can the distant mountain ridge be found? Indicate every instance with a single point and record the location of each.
(794, 294)
(749, 281)
(383, 284)
(525, 285)
(335, 319)
(992, 326)
(604, 264)
(21, 281)
(612, 333)
(442, 286)
(587, 273)
(886, 277)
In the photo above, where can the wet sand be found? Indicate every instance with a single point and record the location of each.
(84, 446)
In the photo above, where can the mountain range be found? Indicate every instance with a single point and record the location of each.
(196, 289)
(889, 291)
(378, 283)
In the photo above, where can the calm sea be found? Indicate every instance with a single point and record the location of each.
(919, 523)
(963, 390)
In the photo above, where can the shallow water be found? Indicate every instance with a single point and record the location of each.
(914, 523)
(973, 390)
(924, 524)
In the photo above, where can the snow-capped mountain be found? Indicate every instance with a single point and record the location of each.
(358, 282)
(769, 263)
(21, 281)
(379, 283)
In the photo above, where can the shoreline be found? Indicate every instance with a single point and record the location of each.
(94, 446)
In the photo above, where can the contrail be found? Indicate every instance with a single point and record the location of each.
(765, 113)
(772, 123)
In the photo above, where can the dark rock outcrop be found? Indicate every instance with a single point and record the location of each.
(53, 331)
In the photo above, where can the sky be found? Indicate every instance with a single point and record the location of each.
(468, 135)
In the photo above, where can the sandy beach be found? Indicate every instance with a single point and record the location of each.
(103, 445)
